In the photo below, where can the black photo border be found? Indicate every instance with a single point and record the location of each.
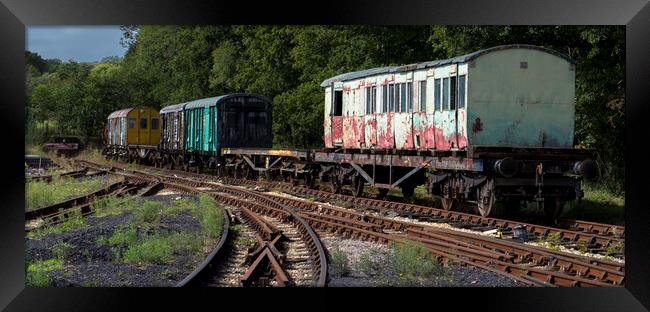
(16, 14)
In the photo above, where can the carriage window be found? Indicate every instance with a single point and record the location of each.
(131, 123)
(452, 100)
(461, 91)
(154, 123)
(143, 123)
(373, 103)
(403, 97)
(384, 99)
(337, 108)
(445, 93)
(436, 94)
(409, 97)
(423, 96)
(368, 100)
(391, 98)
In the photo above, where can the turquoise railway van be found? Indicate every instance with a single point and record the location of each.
(235, 120)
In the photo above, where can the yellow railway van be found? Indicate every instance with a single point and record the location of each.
(132, 130)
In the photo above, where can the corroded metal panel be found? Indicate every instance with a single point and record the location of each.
(327, 132)
(423, 130)
(353, 135)
(370, 130)
(385, 135)
(337, 130)
(403, 130)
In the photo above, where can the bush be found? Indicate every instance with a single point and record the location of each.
(411, 260)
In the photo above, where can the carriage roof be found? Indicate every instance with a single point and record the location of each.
(454, 60)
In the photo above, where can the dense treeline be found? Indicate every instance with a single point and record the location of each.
(171, 64)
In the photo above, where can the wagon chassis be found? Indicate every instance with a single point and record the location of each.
(480, 175)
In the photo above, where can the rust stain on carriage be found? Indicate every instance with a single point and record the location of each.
(477, 126)
(353, 134)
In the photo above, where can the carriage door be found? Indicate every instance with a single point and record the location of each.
(143, 135)
(453, 111)
(461, 110)
(337, 114)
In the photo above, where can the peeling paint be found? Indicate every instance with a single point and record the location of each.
(370, 131)
(403, 131)
(353, 134)
(337, 130)
(385, 134)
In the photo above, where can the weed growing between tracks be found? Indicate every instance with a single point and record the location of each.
(411, 261)
(339, 262)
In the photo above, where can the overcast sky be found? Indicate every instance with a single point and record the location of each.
(80, 43)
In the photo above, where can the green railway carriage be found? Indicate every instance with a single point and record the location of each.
(235, 120)
(196, 131)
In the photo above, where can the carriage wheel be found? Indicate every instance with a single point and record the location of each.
(486, 198)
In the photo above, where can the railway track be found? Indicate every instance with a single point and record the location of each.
(563, 269)
(594, 237)
(292, 238)
(530, 265)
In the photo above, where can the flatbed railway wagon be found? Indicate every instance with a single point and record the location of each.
(132, 134)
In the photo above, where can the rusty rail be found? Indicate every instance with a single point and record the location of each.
(48, 178)
(602, 229)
